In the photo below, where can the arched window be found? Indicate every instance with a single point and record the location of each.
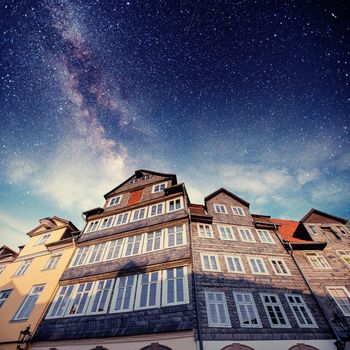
(237, 346)
(155, 346)
(302, 346)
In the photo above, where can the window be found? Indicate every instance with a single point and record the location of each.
(139, 214)
(92, 226)
(23, 267)
(300, 311)
(100, 297)
(342, 297)
(2, 268)
(318, 261)
(107, 222)
(342, 230)
(124, 294)
(175, 236)
(205, 231)
(210, 262)
(234, 264)
(80, 256)
(61, 301)
(265, 236)
(148, 290)
(158, 187)
(4, 294)
(153, 241)
(246, 234)
(28, 304)
(279, 266)
(226, 233)
(80, 299)
(175, 288)
(217, 309)
(174, 204)
(257, 266)
(247, 312)
(345, 255)
(52, 262)
(115, 200)
(43, 238)
(114, 249)
(220, 208)
(122, 219)
(133, 245)
(146, 177)
(274, 310)
(96, 253)
(132, 181)
(238, 211)
(156, 209)
(313, 230)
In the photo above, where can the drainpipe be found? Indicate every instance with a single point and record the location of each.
(339, 343)
(199, 331)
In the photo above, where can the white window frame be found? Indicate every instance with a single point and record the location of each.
(43, 238)
(175, 278)
(133, 240)
(204, 230)
(139, 290)
(300, 305)
(216, 304)
(96, 252)
(344, 254)
(174, 200)
(183, 236)
(23, 267)
(247, 305)
(279, 260)
(147, 239)
(119, 243)
(85, 252)
(233, 257)
(313, 229)
(122, 215)
(52, 262)
(342, 230)
(159, 187)
(237, 211)
(242, 236)
(137, 213)
(210, 257)
(320, 260)
(265, 237)
(224, 236)
(4, 295)
(273, 306)
(74, 295)
(100, 291)
(250, 258)
(92, 226)
(133, 181)
(162, 204)
(346, 292)
(29, 303)
(62, 299)
(107, 222)
(118, 289)
(220, 208)
(114, 199)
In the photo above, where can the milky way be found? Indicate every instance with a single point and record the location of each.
(250, 95)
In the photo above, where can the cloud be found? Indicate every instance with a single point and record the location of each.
(304, 176)
(18, 170)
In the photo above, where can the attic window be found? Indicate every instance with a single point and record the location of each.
(43, 239)
(159, 187)
(132, 181)
(342, 230)
(114, 200)
(146, 177)
(313, 230)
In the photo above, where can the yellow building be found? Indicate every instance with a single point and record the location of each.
(28, 283)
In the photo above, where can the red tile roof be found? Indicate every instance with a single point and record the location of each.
(287, 229)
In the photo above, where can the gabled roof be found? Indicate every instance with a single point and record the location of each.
(6, 251)
(319, 212)
(139, 173)
(229, 194)
(49, 223)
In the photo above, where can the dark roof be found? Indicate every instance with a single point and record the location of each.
(138, 173)
(316, 211)
(229, 194)
(93, 211)
(6, 251)
(50, 222)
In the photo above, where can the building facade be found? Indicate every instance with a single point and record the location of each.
(30, 279)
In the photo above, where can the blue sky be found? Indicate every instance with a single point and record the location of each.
(252, 96)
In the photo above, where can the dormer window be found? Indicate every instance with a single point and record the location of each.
(159, 187)
(237, 211)
(114, 200)
(43, 238)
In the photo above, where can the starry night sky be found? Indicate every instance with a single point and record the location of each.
(249, 95)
